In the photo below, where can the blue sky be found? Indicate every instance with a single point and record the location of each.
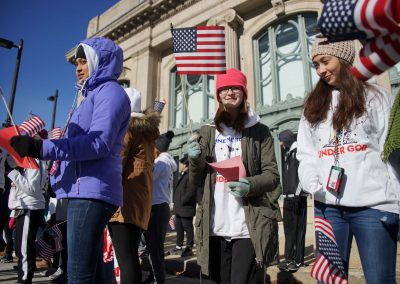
(49, 29)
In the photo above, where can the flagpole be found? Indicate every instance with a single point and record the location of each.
(8, 111)
(12, 120)
(186, 104)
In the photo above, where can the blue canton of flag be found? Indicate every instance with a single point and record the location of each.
(328, 267)
(337, 21)
(184, 40)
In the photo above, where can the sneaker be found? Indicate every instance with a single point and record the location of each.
(293, 266)
(7, 258)
(56, 274)
(187, 252)
(283, 265)
(175, 251)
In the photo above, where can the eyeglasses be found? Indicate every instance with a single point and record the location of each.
(235, 90)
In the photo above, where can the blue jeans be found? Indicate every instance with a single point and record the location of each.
(375, 232)
(86, 220)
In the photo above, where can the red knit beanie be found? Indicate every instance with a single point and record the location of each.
(232, 77)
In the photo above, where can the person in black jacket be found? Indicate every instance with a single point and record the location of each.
(184, 210)
(294, 206)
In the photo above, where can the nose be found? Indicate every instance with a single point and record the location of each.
(321, 70)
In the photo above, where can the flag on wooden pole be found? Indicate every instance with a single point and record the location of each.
(199, 50)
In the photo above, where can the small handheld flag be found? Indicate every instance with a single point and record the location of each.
(33, 125)
(328, 267)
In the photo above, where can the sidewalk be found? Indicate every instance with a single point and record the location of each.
(186, 270)
(189, 267)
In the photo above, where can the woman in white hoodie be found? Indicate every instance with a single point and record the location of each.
(340, 141)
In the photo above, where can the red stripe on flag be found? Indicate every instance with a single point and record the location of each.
(210, 28)
(199, 57)
(204, 72)
(211, 43)
(200, 65)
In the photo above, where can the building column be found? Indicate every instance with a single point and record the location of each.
(232, 23)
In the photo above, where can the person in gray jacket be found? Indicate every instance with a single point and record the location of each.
(236, 221)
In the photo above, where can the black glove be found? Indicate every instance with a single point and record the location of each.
(27, 146)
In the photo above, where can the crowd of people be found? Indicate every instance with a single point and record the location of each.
(112, 169)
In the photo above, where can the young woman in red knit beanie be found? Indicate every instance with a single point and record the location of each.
(236, 221)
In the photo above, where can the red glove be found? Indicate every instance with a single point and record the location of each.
(12, 223)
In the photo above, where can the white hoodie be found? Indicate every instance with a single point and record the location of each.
(163, 176)
(369, 182)
(227, 217)
(26, 190)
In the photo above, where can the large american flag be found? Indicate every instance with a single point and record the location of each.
(328, 267)
(199, 50)
(377, 21)
(33, 125)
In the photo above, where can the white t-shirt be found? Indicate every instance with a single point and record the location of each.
(227, 219)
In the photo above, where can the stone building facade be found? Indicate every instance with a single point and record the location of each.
(269, 40)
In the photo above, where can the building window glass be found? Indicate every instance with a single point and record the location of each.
(199, 94)
(284, 69)
(394, 74)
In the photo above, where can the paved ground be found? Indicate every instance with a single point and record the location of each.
(185, 270)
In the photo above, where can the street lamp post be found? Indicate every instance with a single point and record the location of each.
(9, 44)
(53, 99)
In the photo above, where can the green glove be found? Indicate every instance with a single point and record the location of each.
(239, 188)
(193, 148)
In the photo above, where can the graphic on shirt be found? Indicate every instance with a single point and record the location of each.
(347, 143)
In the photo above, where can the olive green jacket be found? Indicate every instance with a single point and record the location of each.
(261, 206)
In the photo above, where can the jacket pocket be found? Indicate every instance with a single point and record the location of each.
(198, 226)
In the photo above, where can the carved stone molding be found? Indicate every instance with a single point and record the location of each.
(232, 23)
(279, 7)
(228, 17)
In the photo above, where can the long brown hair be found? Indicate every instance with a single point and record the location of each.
(352, 100)
(222, 116)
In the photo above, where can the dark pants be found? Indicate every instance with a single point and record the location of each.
(184, 225)
(4, 217)
(294, 225)
(27, 223)
(125, 238)
(155, 237)
(86, 221)
(233, 262)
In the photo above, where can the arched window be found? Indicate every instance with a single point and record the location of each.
(199, 93)
(283, 65)
(394, 74)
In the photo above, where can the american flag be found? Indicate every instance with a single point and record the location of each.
(172, 222)
(55, 133)
(199, 50)
(359, 19)
(33, 125)
(108, 250)
(56, 234)
(328, 267)
(376, 21)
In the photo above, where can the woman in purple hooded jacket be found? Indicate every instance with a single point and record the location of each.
(89, 173)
